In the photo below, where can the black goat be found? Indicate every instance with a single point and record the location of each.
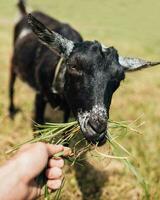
(86, 79)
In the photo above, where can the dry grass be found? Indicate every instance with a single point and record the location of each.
(132, 28)
(69, 134)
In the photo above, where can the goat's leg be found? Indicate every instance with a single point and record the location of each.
(66, 115)
(40, 105)
(12, 110)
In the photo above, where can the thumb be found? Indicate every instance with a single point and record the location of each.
(33, 160)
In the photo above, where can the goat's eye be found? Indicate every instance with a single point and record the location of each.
(74, 70)
(73, 67)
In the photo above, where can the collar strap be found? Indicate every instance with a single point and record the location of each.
(57, 70)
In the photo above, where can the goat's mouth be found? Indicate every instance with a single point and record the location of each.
(91, 134)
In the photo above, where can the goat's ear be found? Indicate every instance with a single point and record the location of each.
(133, 64)
(53, 40)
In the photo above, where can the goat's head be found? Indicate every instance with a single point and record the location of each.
(93, 73)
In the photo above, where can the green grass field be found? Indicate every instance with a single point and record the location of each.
(132, 27)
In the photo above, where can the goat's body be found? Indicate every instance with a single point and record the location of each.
(35, 64)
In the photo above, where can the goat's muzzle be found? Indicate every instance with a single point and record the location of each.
(94, 126)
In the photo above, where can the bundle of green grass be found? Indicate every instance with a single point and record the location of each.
(69, 134)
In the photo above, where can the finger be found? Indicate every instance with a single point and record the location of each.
(56, 163)
(54, 173)
(54, 184)
(54, 149)
(67, 152)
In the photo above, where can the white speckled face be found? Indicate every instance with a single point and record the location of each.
(97, 113)
(98, 109)
(24, 33)
(83, 118)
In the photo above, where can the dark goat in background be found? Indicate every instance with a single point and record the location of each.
(88, 76)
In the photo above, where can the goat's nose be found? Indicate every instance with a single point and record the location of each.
(98, 123)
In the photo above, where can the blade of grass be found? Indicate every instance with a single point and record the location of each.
(58, 193)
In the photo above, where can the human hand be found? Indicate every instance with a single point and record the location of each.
(18, 174)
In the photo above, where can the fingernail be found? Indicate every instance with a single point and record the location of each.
(67, 151)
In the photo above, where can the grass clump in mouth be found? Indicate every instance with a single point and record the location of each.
(66, 133)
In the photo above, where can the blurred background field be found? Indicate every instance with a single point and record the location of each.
(133, 27)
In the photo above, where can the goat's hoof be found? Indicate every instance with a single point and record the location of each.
(13, 112)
